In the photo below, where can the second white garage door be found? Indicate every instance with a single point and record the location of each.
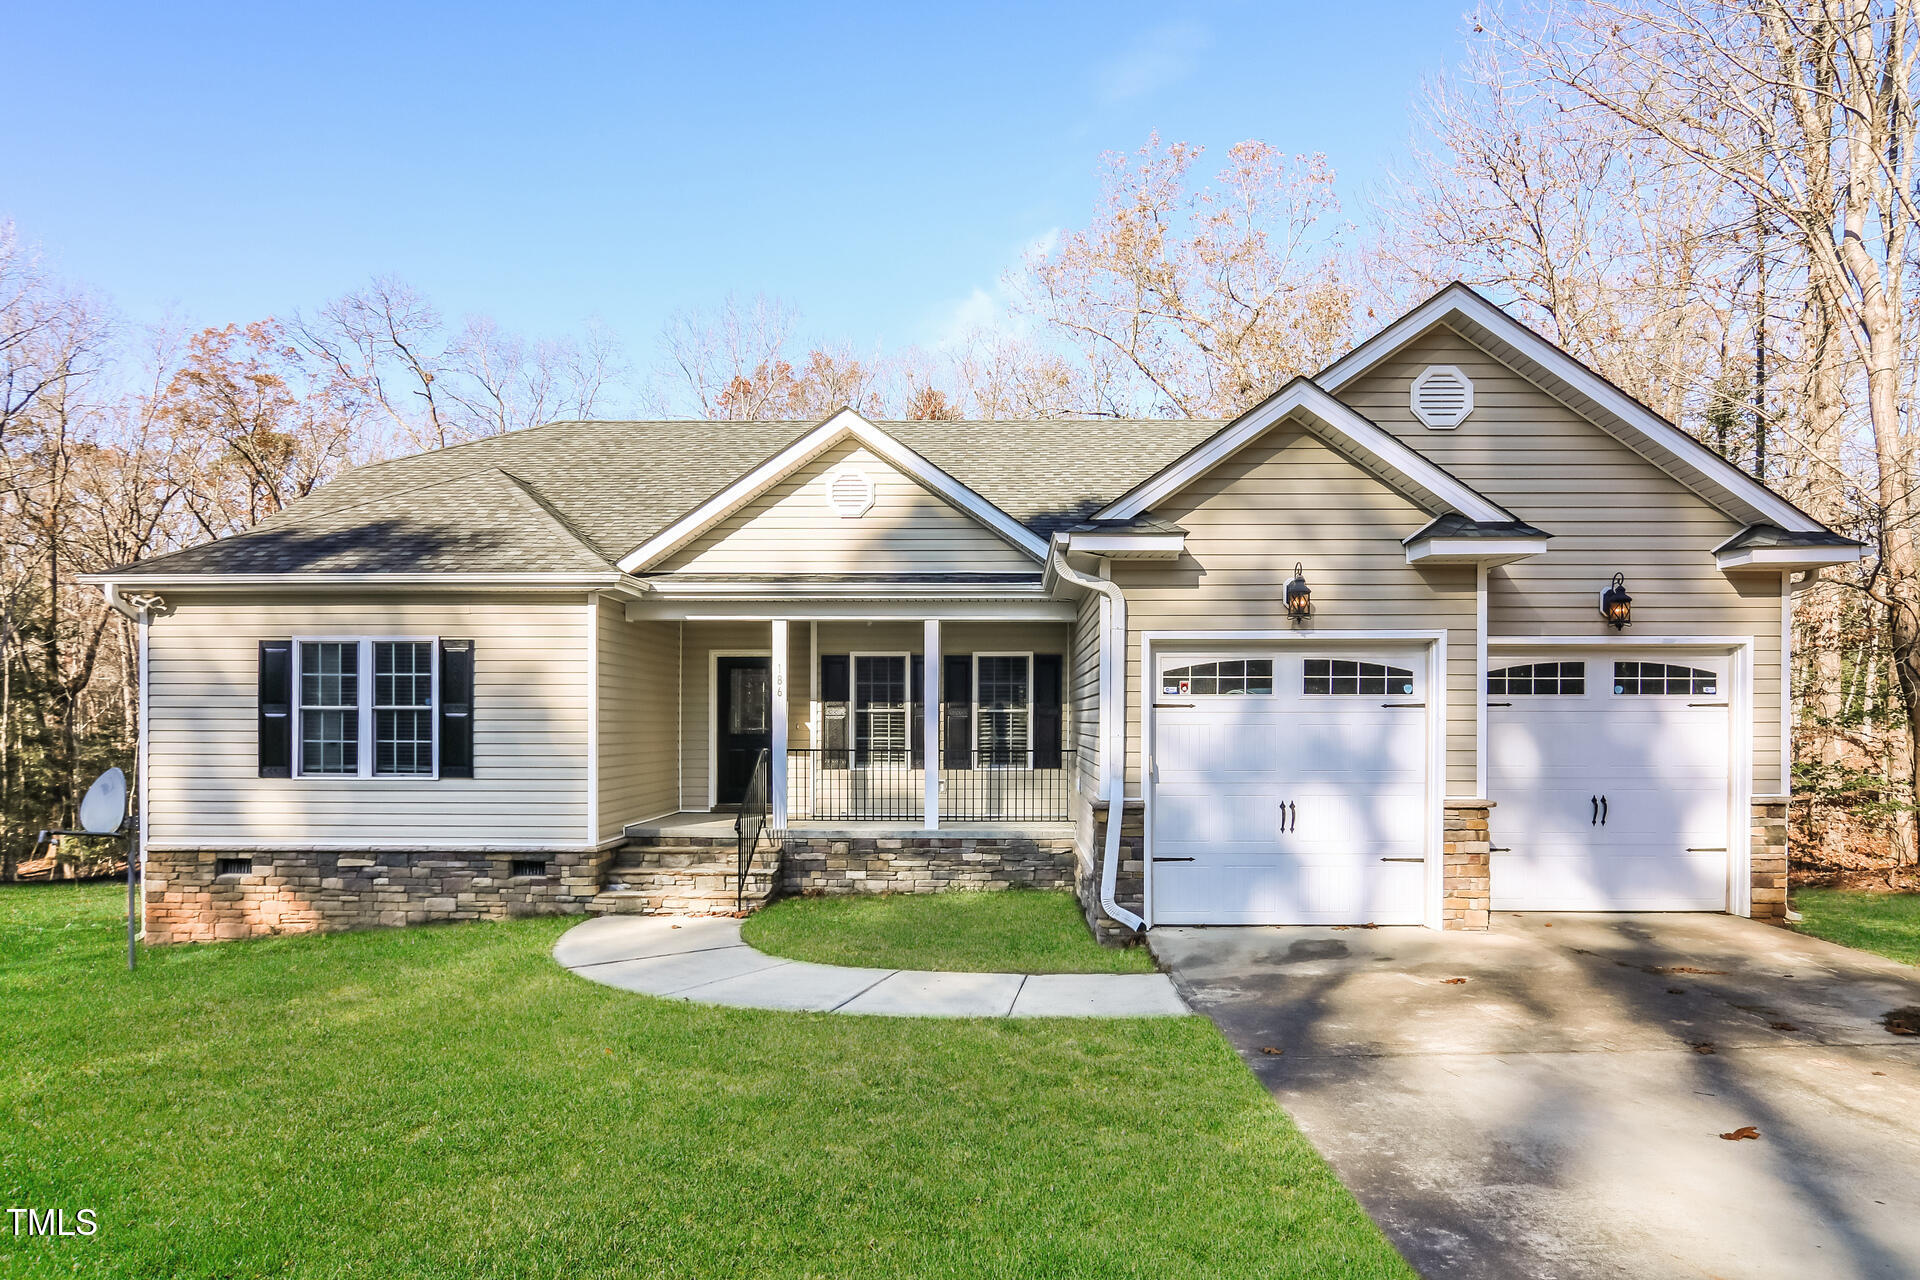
(1610, 779)
(1289, 788)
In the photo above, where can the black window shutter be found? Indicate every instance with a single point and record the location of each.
(276, 709)
(957, 709)
(456, 708)
(1047, 681)
(917, 719)
(836, 685)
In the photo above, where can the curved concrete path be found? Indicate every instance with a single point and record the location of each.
(702, 958)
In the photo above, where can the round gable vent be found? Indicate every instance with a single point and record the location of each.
(1442, 397)
(850, 492)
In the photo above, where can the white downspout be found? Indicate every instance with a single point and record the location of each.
(1113, 724)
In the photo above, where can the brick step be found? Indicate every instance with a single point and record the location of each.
(638, 858)
(680, 892)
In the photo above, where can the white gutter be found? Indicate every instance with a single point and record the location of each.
(1113, 723)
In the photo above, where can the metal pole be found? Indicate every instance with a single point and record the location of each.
(130, 912)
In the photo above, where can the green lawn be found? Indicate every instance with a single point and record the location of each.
(1886, 923)
(1017, 931)
(447, 1101)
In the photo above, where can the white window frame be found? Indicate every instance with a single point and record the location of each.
(854, 705)
(364, 707)
(973, 711)
(1170, 663)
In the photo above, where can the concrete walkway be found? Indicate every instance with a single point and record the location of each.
(702, 958)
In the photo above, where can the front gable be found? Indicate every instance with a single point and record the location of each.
(848, 511)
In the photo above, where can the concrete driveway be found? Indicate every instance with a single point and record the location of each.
(1558, 1113)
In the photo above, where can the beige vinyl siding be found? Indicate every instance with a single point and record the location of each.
(530, 728)
(703, 640)
(1083, 696)
(1288, 498)
(1610, 511)
(791, 529)
(639, 718)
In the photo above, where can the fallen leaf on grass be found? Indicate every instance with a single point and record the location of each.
(1704, 1046)
(1453, 982)
(1744, 1132)
(1270, 1049)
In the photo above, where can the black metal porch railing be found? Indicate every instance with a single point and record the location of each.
(882, 786)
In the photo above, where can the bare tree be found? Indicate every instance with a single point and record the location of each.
(1204, 299)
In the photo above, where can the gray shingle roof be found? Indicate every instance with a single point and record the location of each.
(576, 496)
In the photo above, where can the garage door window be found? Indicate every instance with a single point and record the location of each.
(1206, 679)
(1539, 678)
(1659, 677)
(1338, 676)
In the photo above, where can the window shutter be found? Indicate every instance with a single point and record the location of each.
(917, 716)
(836, 684)
(276, 709)
(956, 690)
(1047, 682)
(456, 708)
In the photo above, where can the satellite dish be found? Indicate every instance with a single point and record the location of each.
(105, 807)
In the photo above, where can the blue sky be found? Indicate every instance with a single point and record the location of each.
(875, 165)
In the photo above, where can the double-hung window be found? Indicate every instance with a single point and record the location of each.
(368, 708)
(1003, 709)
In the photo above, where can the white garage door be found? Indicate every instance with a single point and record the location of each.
(1289, 788)
(1610, 780)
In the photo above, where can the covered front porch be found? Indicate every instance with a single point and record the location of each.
(873, 724)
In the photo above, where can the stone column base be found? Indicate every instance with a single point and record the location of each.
(1466, 876)
(1769, 854)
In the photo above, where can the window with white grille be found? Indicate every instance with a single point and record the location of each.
(1442, 397)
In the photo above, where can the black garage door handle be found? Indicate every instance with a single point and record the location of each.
(1173, 859)
(1603, 811)
(1594, 821)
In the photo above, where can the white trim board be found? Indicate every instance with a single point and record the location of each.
(1640, 428)
(1341, 421)
(843, 425)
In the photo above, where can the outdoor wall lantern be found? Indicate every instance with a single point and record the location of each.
(1299, 596)
(1616, 606)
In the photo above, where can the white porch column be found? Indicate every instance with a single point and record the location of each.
(930, 720)
(777, 756)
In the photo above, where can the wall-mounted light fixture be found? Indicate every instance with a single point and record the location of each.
(1299, 596)
(1616, 606)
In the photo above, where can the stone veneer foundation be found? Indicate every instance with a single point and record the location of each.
(1466, 881)
(309, 891)
(1129, 882)
(1769, 870)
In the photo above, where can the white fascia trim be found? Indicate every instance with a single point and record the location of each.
(668, 589)
(1458, 299)
(841, 425)
(1618, 642)
(1474, 550)
(1128, 546)
(1029, 609)
(1788, 557)
(610, 581)
(380, 846)
(1304, 395)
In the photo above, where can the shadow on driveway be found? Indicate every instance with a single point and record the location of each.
(1557, 1114)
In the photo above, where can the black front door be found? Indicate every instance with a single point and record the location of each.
(745, 725)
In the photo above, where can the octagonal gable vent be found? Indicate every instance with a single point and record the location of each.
(850, 492)
(1442, 397)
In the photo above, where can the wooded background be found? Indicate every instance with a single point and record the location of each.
(1710, 203)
